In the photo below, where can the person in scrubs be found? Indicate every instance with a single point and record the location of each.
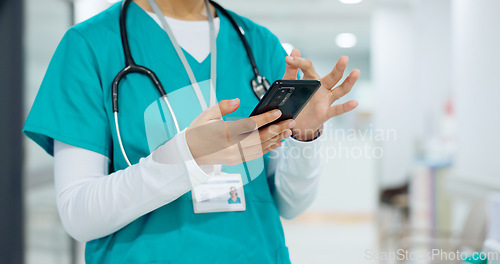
(144, 213)
(234, 199)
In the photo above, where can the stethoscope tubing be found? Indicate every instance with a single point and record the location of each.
(132, 67)
(241, 34)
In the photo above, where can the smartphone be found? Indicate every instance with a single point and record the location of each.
(289, 96)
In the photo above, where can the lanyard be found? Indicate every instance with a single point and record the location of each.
(189, 71)
(182, 57)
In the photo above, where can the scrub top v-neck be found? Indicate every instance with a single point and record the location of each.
(74, 106)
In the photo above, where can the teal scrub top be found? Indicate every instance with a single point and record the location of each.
(74, 106)
(230, 201)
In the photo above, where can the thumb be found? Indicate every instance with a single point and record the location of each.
(291, 71)
(222, 108)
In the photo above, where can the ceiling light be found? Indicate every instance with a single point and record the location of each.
(349, 2)
(346, 40)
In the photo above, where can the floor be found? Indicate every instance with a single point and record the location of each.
(330, 242)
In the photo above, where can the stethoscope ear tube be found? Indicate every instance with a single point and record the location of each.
(241, 34)
(156, 82)
(114, 88)
(135, 69)
(123, 33)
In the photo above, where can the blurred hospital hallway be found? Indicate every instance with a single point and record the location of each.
(414, 169)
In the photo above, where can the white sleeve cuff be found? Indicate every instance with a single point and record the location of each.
(197, 174)
(306, 153)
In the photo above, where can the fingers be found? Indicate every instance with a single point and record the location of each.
(276, 132)
(276, 139)
(272, 147)
(346, 86)
(305, 65)
(253, 145)
(259, 120)
(291, 71)
(337, 110)
(244, 130)
(221, 109)
(257, 151)
(258, 142)
(263, 151)
(252, 153)
(228, 106)
(332, 78)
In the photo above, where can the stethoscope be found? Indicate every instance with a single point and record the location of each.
(259, 84)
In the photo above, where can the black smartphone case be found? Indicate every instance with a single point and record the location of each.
(303, 90)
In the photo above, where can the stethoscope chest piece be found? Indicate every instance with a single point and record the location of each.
(260, 85)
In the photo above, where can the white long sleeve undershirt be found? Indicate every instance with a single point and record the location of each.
(93, 204)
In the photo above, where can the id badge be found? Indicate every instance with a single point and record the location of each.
(221, 193)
